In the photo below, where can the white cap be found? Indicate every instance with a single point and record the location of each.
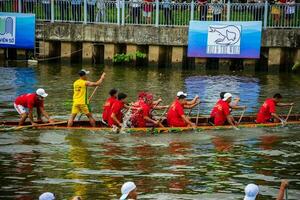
(126, 189)
(47, 196)
(227, 96)
(251, 191)
(83, 72)
(180, 93)
(41, 92)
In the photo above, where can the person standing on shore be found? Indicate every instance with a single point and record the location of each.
(80, 97)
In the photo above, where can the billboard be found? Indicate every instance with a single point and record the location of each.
(224, 39)
(17, 30)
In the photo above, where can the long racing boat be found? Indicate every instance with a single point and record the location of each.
(203, 124)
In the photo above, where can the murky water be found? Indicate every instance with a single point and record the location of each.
(205, 165)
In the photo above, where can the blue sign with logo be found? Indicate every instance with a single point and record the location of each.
(17, 30)
(224, 39)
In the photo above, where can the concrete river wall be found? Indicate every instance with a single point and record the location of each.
(162, 45)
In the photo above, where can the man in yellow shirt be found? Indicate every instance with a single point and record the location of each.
(80, 97)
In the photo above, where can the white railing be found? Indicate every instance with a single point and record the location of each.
(155, 12)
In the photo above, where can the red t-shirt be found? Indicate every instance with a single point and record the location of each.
(220, 112)
(107, 107)
(148, 7)
(138, 118)
(265, 111)
(175, 112)
(29, 101)
(117, 110)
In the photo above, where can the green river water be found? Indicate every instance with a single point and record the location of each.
(194, 165)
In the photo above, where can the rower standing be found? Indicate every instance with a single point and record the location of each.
(25, 103)
(267, 112)
(176, 116)
(221, 111)
(108, 104)
(80, 97)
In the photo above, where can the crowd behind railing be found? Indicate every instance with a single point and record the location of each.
(278, 14)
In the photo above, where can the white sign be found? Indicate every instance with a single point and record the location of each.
(7, 30)
(223, 39)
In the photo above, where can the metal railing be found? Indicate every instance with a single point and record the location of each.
(155, 12)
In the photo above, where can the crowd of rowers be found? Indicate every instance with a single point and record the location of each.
(140, 111)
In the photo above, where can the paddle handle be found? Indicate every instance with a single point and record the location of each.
(39, 125)
(288, 115)
(242, 115)
(198, 112)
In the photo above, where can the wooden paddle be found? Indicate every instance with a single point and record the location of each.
(39, 125)
(287, 117)
(198, 112)
(241, 117)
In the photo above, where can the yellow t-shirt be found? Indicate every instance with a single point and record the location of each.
(80, 92)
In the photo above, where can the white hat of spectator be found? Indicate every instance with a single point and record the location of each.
(251, 191)
(227, 96)
(126, 189)
(47, 196)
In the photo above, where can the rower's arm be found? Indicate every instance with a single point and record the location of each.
(97, 83)
(114, 117)
(30, 115)
(238, 107)
(161, 107)
(276, 116)
(187, 120)
(45, 114)
(191, 105)
(192, 102)
(230, 120)
(284, 184)
(284, 104)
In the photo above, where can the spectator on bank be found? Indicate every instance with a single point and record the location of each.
(252, 191)
(217, 10)
(64, 6)
(100, 16)
(148, 8)
(29, 6)
(275, 12)
(202, 7)
(166, 5)
(91, 4)
(46, 9)
(76, 10)
(129, 191)
(289, 11)
(136, 10)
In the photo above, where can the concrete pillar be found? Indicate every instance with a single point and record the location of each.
(177, 54)
(21, 54)
(275, 56)
(224, 64)
(46, 49)
(109, 51)
(131, 49)
(297, 56)
(154, 52)
(88, 51)
(67, 48)
(249, 65)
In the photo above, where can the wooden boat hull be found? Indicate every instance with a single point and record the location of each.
(247, 122)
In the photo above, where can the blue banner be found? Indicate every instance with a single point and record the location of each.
(224, 39)
(17, 30)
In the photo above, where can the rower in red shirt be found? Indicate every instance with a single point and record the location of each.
(25, 103)
(116, 116)
(221, 111)
(142, 117)
(176, 116)
(267, 112)
(108, 104)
